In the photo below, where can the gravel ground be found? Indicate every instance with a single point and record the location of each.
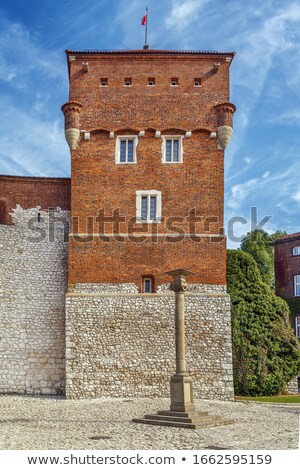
(55, 423)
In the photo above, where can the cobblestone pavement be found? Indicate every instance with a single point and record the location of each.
(105, 423)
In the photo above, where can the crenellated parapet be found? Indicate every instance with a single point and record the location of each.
(224, 113)
(71, 111)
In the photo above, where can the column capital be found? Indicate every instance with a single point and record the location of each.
(179, 283)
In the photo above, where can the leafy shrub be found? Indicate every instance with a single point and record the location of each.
(266, 353)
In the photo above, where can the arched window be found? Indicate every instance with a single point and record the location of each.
(3, 212)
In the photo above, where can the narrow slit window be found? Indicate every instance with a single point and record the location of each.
(197, 82)
(103, 81)
(151, 81)
(174, 81)
(147, 285)
(127, 81)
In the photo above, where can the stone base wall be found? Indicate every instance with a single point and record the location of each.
(33, 281)
(122, 343)
(292, 387)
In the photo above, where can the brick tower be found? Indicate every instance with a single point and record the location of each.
(147, 131)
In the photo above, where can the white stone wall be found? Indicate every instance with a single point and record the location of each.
(119, 342)
(292, 387)
(122, 344)
(33, 281)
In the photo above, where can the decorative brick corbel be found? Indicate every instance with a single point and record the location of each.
(71, 111)
(224, 113)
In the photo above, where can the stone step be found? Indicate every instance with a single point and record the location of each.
(180, 419)
(183, 414)
(180, 424)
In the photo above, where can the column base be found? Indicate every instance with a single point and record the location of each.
(182, 393)
(192, 420)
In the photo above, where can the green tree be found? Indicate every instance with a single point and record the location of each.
(260, 245)
(266, 353)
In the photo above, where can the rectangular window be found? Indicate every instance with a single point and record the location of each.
(296, 250)
(127, 81)
(147, 285)
(297, 285)
(297, 326)
(126, 149)
(172, 152)
(148, 206)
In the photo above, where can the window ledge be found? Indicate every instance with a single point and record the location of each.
(157, 221)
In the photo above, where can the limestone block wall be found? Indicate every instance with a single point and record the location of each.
(121, 343)
(33, 280)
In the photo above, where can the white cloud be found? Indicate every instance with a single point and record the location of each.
(267, 47)
(34, 146)
(32, 137)
(184, 12)
(22, 61)
(296, 196)
(266, 174)
(240, 191)
(247, 160)
(288, 118)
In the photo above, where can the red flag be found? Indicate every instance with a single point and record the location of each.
(144, 19)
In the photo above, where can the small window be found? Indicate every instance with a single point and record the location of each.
(197, 82)
(297, 326)
(172, 149)
(148, 206)
(3, 213)
(151, 81)
(103, 81)
(127, 81)
(147, 285)
(126, 149)
(297, 285)
(296, 250)
(174, 81)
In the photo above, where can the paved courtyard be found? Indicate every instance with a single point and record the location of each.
(55, 423)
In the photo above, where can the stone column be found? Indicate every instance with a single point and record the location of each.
(181, 384)
(182, 411)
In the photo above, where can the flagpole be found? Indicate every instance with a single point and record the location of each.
(146, 30)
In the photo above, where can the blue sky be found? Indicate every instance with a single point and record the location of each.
(263, 158)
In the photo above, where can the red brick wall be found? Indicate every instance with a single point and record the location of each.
(197, 183)
(31, 192)
(287, 265)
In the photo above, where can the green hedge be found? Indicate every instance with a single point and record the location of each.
(266, 353)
